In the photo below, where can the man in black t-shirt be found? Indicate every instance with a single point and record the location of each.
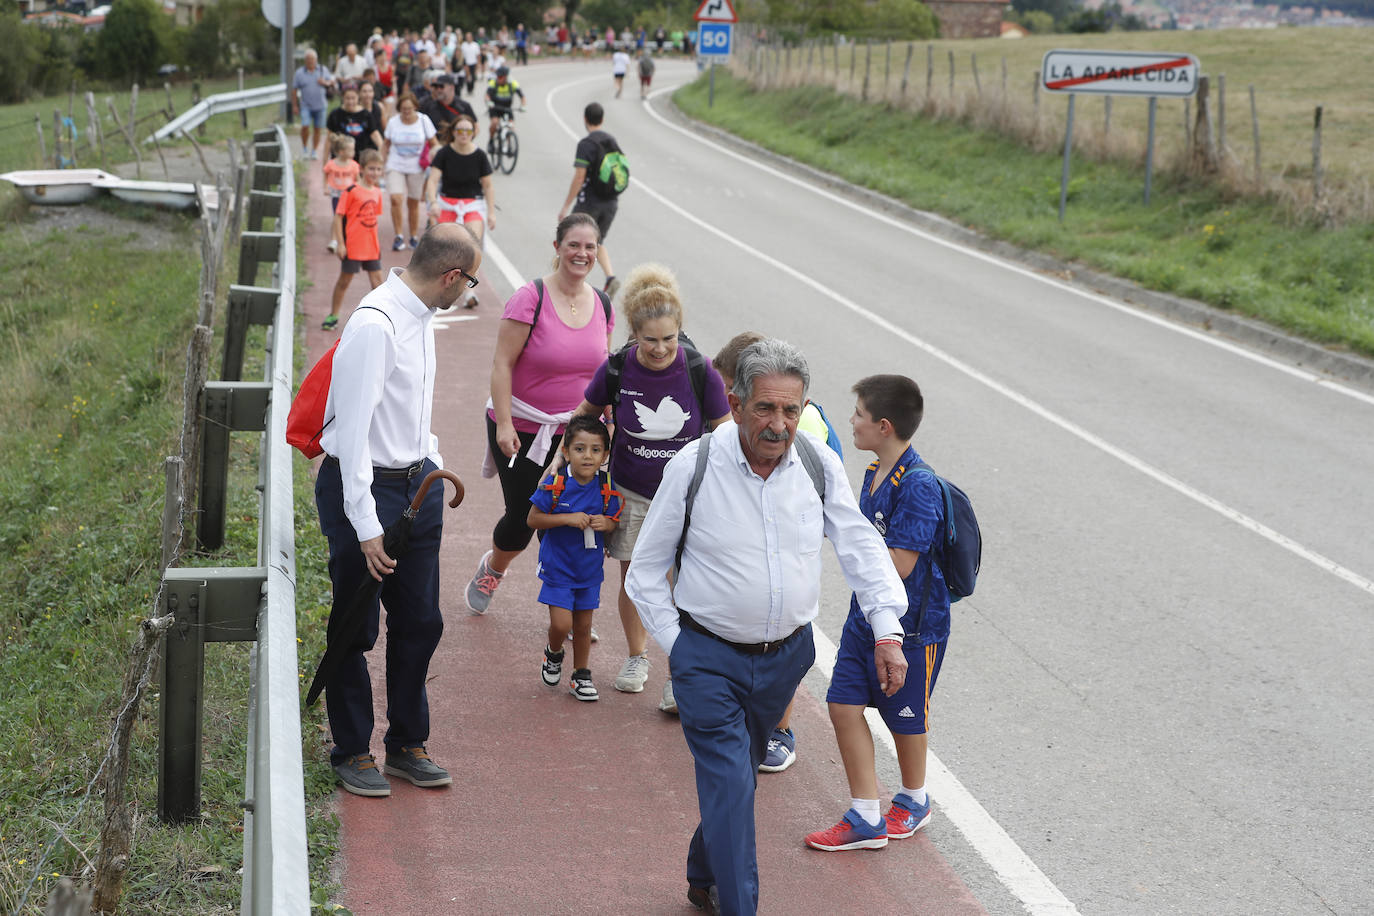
(443, 105)
(590, 150)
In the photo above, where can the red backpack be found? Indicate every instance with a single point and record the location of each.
(559, 484)
(305, 421)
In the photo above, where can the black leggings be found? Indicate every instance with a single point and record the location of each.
(517, 486)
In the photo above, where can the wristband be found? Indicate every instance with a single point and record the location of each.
(887, 641)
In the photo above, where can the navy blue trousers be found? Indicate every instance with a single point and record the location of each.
(729, 702)
(413, 621)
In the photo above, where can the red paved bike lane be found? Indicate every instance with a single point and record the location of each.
(560, 806)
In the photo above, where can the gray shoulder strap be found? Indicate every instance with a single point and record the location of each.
(812, 462)
(697, 473)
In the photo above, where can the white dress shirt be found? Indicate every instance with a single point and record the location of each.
(384, 381)
(751, 566)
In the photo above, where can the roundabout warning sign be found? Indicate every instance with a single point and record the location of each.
(1120, 73)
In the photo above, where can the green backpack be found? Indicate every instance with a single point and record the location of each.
(612, 174)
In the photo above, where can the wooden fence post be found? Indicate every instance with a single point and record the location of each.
(1004, 78)
(1255, 133)
(42, 147)
(197, 371)
(906, 71)
(1221, 113)
(243, 115)
(930, 69)
(1187, 124)
(57, 138)
(1106, 115)
(95, 129)
(853, 62)
(1204, 157)
(977, 83)
(887, 67)
(868, 69)
(1035, 98)
(1317, 156)
(951, 75)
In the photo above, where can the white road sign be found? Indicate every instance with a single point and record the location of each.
(1120, 72)
(275, 11)
(716, 11)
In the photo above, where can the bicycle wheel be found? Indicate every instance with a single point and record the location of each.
(510, 151)
(494, 152)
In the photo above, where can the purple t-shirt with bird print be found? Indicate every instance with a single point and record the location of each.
(657, 415)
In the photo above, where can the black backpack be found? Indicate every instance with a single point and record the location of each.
(958, 545)
(696, 370)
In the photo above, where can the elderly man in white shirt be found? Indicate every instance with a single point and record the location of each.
(737, 625)
(378, 449)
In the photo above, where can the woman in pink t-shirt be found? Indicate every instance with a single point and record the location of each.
(547, 348)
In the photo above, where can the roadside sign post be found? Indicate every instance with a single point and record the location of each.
(286, 15)
(1147, 73)
(715, 36)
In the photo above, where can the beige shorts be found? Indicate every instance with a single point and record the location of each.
(633, 508)
(413, 186)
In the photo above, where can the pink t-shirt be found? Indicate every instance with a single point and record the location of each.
(558, 361)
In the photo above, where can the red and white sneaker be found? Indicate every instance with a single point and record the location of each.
(850, 833)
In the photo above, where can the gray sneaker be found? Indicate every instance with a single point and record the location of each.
(668, 704)
(413, 765)
(359, 775)
(633, 674)
(484, 582)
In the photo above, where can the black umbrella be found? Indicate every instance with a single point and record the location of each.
(345, 617)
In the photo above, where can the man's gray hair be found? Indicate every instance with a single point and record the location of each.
(769, 356)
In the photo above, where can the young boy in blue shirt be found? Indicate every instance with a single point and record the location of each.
(905, 504)
(577, 511)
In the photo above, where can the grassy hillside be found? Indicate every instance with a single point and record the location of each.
(1194, 239)
(1292, 70)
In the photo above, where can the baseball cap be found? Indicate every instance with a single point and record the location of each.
(445, 79)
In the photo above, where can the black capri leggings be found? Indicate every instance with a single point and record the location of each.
(517, 486)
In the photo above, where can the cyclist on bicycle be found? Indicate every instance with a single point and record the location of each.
(501, 93)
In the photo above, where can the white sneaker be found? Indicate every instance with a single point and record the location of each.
(668, 704)
(595, 637)
(633, 674)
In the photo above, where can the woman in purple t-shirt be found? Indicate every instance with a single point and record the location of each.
(656, 414)
(546, 349)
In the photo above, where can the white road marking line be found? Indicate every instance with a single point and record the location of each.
(1012, 267)
(1007, 860)
(492, 252)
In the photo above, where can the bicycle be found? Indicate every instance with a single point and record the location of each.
(504, 148)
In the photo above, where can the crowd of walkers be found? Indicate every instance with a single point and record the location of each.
(711, 480)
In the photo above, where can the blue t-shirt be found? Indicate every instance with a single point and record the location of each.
(907, 508)
(657, 415)
(564, 558)
(307, 82)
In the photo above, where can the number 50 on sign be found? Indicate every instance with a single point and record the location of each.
(714, 38)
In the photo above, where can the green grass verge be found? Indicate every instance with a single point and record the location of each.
(93, 335)
(1193, 239)
(19, 137)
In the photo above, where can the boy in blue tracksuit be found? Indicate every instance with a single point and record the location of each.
(576, 509)
(906, 505)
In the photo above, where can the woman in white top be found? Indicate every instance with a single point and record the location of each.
(406, 137)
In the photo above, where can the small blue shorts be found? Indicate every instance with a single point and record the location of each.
(855, 683)
(314, 117)
(574, 599)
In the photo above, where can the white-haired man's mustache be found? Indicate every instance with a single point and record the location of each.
(768, 435)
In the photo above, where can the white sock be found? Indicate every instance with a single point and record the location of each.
(868, 810)
(918, 795)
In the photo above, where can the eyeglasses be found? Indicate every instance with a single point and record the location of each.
(462, 130)
(471, 280)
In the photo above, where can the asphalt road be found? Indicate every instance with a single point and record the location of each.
(1159, 694)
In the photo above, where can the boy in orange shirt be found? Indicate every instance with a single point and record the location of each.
(355, 231)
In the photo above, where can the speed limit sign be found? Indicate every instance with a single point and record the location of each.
(715, 38)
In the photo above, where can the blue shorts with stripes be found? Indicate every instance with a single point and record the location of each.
(855, 682)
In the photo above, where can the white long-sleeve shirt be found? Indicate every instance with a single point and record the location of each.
(381, 395)
(751, 564)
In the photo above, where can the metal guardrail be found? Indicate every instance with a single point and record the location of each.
(258, 603)
(207, 108)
